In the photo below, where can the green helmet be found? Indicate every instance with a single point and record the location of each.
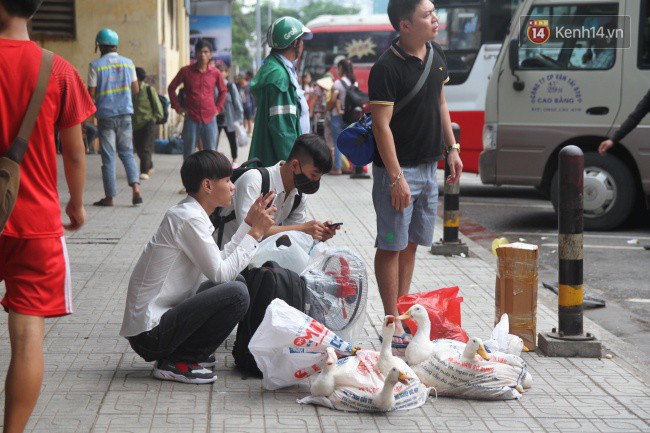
(284, 31)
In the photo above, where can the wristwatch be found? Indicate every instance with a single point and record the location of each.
(453, 146)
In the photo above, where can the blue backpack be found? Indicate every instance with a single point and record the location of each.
(357, 142)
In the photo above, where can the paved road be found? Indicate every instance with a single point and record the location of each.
(614, 269)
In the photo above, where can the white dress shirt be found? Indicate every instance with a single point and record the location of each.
(174, 262)
(249, 187)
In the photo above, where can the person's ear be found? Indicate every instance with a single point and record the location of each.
(404, 25)
(206, 185)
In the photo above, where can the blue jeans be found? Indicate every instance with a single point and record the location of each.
(338, 125)
(116, 133)
(415, 224)
(191, 132)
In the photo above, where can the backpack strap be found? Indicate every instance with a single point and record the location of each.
(220, 221)
(296, 202)
(266, 179)
(18, 147)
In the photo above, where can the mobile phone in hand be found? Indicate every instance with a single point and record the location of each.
(333, 225)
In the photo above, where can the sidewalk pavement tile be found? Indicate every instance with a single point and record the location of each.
(95, 383)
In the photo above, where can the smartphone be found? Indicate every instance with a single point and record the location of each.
(333, 225)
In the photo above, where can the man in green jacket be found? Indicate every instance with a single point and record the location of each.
(282, 110)
(147, 110)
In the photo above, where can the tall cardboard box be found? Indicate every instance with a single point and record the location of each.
(516, 290)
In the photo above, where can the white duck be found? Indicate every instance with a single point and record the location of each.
(473, 347)
(508, 369)
(386, 358)
(385, 399)
(325, 383)
(420, 348)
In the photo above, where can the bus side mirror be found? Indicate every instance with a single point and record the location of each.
(513, 59)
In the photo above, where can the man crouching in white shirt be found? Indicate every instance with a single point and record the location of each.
(170, 316)
(300, 175)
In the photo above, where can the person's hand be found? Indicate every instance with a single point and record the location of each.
(77, 215)
(316, 229)
(260, 216)
(181, 111)
(400, 195)
(330, 231)
(455, 167)
(605, 146)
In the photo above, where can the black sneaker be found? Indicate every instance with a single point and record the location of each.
(210, 362)
(183, 372)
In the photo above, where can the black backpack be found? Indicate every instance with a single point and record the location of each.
(220, 221)
(265, 284)
(355, 99)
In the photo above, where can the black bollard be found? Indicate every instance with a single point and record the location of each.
(569, 339)
(450, 244)
(570, 227)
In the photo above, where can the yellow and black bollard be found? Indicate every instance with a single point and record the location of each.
(450, 244)
(569, 339)
(570, 228)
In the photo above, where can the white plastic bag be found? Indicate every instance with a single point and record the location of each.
(241, 134)
(337, 290)
(482, 380)
(502, 341)
(358, 382)
(289, 345)
(289, 249)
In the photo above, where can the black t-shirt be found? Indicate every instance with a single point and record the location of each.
(417, 128)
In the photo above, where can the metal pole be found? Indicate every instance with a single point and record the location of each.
(570, 225)
(258, 42)
(450, 244)
(268, 12)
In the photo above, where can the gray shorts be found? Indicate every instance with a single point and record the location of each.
(415, 224)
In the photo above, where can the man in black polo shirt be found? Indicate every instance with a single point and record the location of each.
(405, 191)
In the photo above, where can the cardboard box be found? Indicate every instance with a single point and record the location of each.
(516, 290)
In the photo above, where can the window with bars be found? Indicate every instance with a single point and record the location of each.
(55, 18)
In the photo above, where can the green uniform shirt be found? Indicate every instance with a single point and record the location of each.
(277, 122)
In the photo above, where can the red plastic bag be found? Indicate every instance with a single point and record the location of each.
(443, 307)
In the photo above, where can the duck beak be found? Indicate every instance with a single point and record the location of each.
(406, 315)
(525, 349)
(403, 378)
(481, 351)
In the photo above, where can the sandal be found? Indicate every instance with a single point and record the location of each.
(103, 202)
(397, 345)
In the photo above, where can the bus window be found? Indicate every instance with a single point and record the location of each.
(459, 34)
(580, 50)
(359, 47)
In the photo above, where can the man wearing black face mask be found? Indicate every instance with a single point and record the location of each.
(293, 180)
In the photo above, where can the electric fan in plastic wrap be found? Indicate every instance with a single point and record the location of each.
(337, 291)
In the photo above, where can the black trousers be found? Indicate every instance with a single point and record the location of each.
(143, 141)
(232, 139)
(191, 331)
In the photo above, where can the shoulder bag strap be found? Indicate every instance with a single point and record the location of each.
(19, 146)
(418, 85)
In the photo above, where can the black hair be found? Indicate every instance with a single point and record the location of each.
(348, 70)
(399, 10)
(105, 49)
(202, 43)
(312, 148)
(140, 73)
(21, 8)
(204, 164)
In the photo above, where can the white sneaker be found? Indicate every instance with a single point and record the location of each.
(144, 176)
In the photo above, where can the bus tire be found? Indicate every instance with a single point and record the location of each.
(610, 192)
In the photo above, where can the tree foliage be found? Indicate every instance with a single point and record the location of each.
(243, 23)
